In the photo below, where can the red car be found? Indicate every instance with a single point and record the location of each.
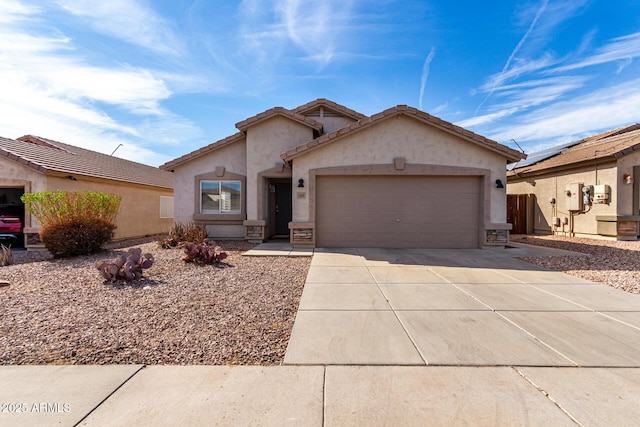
(10, 228)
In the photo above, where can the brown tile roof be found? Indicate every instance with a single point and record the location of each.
(295, 114)
(278, 111)
(238, 136)
(46, 155)
(603, 146)
(510, 154)
(329, 105)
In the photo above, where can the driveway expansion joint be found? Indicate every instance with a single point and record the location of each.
(109, 395)
(547, 395)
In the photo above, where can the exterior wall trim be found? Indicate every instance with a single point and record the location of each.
(213, 219)
(27, 230)
(280, 170)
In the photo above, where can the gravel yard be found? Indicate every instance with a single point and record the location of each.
(613, 263)
(62, 312)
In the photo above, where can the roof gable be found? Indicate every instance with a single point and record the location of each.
(321, 106)
(610, 145)
(238, 136)
(366, 122)
(278, 111)
(48, 156)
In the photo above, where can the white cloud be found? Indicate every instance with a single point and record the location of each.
(520, 97)
(619, 49)
(522, 67)
(12, 10)
(129, 20)
(315, 28)
(537, 92)
(606, 108)
(136, 90)
(486, 118)
(48, 88)
(440, 108)
(502, 75)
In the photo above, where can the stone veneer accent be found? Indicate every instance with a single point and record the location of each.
(497, 237)
(254, 230)
(32, 239)
(302, 233)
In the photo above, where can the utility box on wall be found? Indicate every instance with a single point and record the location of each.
(574, 197)
(601, 193)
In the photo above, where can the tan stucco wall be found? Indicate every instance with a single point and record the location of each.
(139, 210)
(11, 171)
(553, 185)
(625, 191)
(417, 142)
(265, 142)
(232, 158)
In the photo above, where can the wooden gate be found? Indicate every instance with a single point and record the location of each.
(517, 212)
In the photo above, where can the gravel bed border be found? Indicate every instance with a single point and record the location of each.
(60, 311)
(612, 263)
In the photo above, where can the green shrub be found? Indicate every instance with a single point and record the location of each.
(73, 223)
(182, 233)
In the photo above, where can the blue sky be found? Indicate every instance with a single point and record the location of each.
(166, 77)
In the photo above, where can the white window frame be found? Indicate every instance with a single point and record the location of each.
(224, 197)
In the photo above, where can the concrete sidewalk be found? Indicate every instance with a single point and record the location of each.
(387, 337)
(317, 396)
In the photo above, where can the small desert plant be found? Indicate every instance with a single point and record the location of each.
(181, 233)
(125, 267)
(6, 258)
(203, 253)
(195, 233)
(73, 223)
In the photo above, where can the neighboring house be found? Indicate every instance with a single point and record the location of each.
(34, 164)
(324, 175)
(587, 188)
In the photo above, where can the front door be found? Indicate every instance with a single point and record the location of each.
(517, 212)
(282, 208)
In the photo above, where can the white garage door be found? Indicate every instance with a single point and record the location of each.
(397, 211)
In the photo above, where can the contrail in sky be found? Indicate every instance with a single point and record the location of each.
(425, 75)
(498, 79)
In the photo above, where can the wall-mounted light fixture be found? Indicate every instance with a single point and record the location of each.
(72, 178)
(499, 184)
(628, 178)
(300, 183)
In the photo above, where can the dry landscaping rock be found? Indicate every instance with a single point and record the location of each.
(613, 263)
(60, 311)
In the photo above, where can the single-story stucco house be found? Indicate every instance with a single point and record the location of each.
(324, 175)
(586, 188)
(33, 164)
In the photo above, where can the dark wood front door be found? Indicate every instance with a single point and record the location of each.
(282, 208)
(517, 213)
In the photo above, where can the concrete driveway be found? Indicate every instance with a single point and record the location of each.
(458, 308)
(386, 338)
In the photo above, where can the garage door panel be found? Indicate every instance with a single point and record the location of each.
(397, 211)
